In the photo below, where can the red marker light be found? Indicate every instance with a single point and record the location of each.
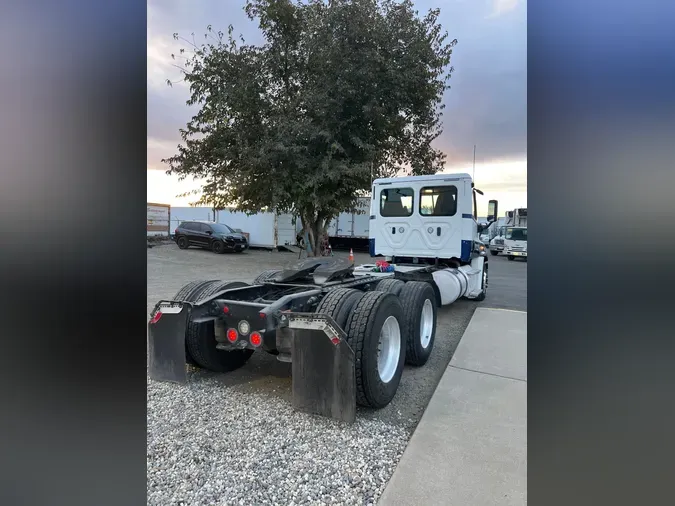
(232, 335)
(262, 315)
(226, 309)
(156, 317)
(256, 339)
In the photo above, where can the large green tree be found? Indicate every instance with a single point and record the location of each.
(340, 92)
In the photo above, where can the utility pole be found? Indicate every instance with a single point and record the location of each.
(474, 164)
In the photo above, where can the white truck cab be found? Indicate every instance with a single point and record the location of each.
(497, 242)
(515, 242)
(427, 225)
(424, 217)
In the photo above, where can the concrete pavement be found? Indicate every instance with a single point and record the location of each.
(470, 447)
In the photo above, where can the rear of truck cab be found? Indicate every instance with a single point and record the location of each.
(423, 217)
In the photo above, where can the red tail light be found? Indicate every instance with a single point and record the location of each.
(156, 317)
(226, 309)
(232, 335)
(256, 339)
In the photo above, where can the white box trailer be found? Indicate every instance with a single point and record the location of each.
(158, 219)
(265, 230)
(517, 217)
(348, 225)
(352, 225)
(181, 214)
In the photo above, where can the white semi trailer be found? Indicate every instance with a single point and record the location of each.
(346, 229)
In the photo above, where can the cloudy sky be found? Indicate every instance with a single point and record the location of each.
(486, 105)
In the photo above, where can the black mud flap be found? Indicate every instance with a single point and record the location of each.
(324, 381)
(166, 342)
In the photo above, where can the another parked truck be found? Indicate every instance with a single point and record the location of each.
(347, 330)
(515, 242)
(516, 218)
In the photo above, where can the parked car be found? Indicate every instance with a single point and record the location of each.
(217, 237)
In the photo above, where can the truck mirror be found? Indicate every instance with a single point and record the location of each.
(492, 211)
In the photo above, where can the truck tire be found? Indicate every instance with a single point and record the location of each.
(192, 292)
(419, 307)
(494, 252)
(219, 286)
(338, 304)
(265, 276)
(187, 292)
(375, 323)
(483, 283)
(390, 285)
(511, 257)
(199, 340)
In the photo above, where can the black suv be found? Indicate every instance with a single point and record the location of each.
(217, 237)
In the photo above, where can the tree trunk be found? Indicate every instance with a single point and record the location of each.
(315, 229)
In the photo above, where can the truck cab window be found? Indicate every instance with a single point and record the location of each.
(396, 202)
(516, 234)
(438, 201)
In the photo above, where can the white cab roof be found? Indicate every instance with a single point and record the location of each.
(433, 177)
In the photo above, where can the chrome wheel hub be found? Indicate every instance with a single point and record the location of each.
(389, 349)
(426, 323)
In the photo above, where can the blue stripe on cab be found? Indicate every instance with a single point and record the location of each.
(469, 216)
(467, 246)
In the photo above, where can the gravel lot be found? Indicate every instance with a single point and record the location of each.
(234, 438)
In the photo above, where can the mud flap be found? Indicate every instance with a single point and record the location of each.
(166, 342)
(324, 381)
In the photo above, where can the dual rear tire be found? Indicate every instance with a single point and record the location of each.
(418, 300)
(264, 276)
(385, 328)
(200, 345)
(375, 333)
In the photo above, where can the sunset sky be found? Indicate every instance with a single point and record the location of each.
(486, 105)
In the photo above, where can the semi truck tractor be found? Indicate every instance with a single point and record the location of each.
(346, 330)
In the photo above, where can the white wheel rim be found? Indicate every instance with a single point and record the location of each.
(426, 323)
(388, 349)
